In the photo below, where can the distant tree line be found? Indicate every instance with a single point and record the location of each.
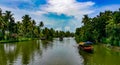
(104, 28)
(26, 28)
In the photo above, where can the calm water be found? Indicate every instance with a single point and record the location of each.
(41, 53)
(55, 53)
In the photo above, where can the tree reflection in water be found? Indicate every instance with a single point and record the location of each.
(10, 53)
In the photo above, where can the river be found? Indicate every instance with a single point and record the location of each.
(57, 52)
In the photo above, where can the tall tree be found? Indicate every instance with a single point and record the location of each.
(12, 25)
(26, 22)
(7, 18)
(41, 24)
(85, 19)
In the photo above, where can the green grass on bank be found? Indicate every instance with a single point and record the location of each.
(17, 40)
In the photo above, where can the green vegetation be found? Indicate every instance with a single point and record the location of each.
(104, 28)
(26, 29)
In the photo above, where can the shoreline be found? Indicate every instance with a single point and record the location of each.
(113, 48)
(22, 39)
(18, 40)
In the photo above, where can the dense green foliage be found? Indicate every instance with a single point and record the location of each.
(104, 28)
(25, 29)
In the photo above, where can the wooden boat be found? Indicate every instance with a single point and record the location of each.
(86, 46)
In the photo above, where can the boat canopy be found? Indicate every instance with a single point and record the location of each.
(86, 43)
(81, 43)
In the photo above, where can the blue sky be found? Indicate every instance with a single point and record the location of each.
(58, 14)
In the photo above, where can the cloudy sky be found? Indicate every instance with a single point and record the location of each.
(58, 14)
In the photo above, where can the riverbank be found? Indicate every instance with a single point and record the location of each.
(25, 39)
(17, 40)
(110, 47)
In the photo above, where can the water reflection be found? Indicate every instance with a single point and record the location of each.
(18, 53)
(62, 53)
(101, 56)
(40, 53)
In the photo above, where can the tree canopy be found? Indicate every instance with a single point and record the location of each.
(104, 28)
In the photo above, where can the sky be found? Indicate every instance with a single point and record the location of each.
(63, 15)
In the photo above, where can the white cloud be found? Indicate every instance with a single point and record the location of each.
(58, 29)
(40, 12)
(67, 28)
(18, 13)
(68, 7)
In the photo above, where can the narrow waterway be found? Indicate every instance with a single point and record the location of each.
(57, 52)
(41, 53)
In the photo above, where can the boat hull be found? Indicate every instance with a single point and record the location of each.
(87, 49)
